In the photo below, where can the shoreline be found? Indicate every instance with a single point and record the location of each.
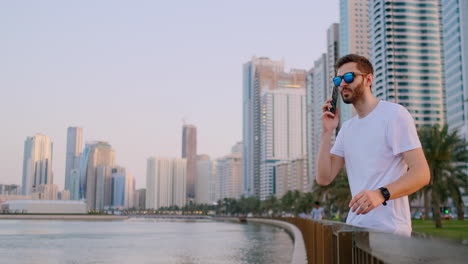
(62, 217)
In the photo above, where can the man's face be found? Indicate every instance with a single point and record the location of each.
(354, 91)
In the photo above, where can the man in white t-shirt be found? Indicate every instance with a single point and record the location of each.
(379, 147)
(317, 212)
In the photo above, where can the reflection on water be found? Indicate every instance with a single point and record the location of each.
(141, 241)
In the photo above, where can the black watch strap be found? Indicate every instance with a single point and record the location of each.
(385, 194)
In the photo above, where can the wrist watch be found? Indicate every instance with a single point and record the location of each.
(385, 194)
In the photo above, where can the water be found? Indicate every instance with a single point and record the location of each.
(138, 240)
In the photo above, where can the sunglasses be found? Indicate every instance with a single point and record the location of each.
(347, 77)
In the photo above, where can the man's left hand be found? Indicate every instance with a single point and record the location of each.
(366, 201)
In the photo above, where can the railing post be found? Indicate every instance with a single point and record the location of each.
(327, 243)
(319, 242)
(344, 247)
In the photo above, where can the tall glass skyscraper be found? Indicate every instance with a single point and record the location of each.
(407, 56)
(353, 38)
(189, 152)
(74, 148)
(455, 36)
(37, 163)
(260, 74)
(283, 132)
(101, 158)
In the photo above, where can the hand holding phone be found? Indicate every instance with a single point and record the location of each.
(334, 99)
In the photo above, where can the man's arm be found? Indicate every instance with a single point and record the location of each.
(417, 176)
(328, 165)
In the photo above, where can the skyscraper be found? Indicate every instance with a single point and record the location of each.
(37, 163)
(455, 37)
(72, 162)
(189, 152)
(101, 158)
(123, 188)
(260, 74)
(179, 179)
(204, 176)
(354, 27)
(229, 175)
(283, 132)
(83, 169)
(407, 56)
(318, 90)
(165, 182)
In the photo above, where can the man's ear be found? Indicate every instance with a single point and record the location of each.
(370, 78)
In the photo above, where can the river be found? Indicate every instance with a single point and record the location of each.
(140, 240)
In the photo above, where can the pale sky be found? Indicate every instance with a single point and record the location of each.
(129, 72)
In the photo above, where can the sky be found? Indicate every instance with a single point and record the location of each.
(131, 72)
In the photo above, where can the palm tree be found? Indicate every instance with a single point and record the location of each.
(336, 195)
(306, 203)
(271, 204)
(290, 200)
(446, 154)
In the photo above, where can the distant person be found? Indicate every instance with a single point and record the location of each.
(317, 212)
(379, 147)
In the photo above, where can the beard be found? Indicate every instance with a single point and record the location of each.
(354, 95)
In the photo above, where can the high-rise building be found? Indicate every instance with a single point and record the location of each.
(74, 184)
(63, 195)
(123, 188)
(407, 56)
(290, 176)
(72, 161)
(354, 28)
(140, 199)
(283, 132)
(229, 174)
(455, 38)
(10, 189)
(215, 184)
(37, 163)
(101, 158)
(317, 92)
(45, 192)
(83, 170)
(204, 176)
(353, 38)
(165, 182)
(179, 179)
(260, 74)
(310, 126)
(189, 152)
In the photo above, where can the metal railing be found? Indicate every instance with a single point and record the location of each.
(334, 242)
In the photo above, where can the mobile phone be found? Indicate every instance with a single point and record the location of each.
(334, 99)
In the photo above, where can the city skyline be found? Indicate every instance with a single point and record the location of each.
(129, 74)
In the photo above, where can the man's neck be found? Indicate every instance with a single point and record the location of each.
(365, 105)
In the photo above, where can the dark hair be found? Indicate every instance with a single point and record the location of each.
(363, 64)
(317, 203)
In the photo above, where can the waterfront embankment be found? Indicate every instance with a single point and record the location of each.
(62, 217)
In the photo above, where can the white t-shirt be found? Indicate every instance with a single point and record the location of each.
(372, 147)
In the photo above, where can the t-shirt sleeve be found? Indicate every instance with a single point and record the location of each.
(401, 132)
(337, 148)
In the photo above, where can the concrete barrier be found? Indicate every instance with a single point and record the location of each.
(299, 252)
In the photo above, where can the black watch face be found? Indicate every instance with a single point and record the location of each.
(385, 193)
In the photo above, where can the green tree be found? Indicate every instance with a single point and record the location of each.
(290, 201)
(335, 196)
(271, 204)
(306, 202)
(446, 154)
